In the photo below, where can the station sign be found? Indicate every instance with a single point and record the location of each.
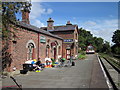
(68, 40)
(42, 39)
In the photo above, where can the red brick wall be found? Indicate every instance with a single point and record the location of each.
(67, 35)
(19, 50)
(42, 47)
(76, 43)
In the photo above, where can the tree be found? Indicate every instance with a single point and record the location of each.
(86, 38)
(82, 41)
(116, 37)
(99, 44)
(9, 11)
(8, 15)
(106, 47)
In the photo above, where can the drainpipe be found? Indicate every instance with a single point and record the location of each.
(62, 48)
(38, 44)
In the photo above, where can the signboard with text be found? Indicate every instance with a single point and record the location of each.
(42, 39)
(68, 40)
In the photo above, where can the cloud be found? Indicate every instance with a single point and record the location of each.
(38, 23)
(36, 11)
(102, 28)
(90, 23)
(49, 11)
(105, 34)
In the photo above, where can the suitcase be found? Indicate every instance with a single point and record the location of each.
(73, 63)
(23, 71)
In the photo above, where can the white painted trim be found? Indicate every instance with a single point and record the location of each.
(30, 41)
(107, 80)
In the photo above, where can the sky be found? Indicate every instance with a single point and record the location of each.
(101, 18)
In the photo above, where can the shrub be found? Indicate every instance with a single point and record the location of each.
(82, 54)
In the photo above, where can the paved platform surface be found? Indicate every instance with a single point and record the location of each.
(86, 74)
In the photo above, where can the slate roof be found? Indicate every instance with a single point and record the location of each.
(61, 28)
(35, 29)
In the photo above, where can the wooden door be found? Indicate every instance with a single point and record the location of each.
(55, 53)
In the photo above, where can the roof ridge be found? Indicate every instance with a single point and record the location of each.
(61, 25)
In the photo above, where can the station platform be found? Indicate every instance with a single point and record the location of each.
(85, 74)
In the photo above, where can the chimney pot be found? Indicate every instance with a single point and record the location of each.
(50, 20)
(68, 23)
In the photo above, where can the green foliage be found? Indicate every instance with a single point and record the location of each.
(116, 37)
(9, 11)
(115, 49)
(111, 59)
(86, 38)
(6, 57)
(82, 54)
(8, 15)
(106, 47)
(98, 42)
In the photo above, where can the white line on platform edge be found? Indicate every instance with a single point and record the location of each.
(107, 80)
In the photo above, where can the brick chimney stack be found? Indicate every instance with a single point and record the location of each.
(25, 16)
(50, 24)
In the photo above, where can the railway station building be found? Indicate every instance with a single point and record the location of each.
(29, 42)
(69, 33)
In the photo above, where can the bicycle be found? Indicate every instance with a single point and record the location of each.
(68, 64)
(60, 65)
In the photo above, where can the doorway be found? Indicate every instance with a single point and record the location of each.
(55, 53)
(68, 54)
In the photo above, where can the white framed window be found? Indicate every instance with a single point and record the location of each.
(30, 51)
